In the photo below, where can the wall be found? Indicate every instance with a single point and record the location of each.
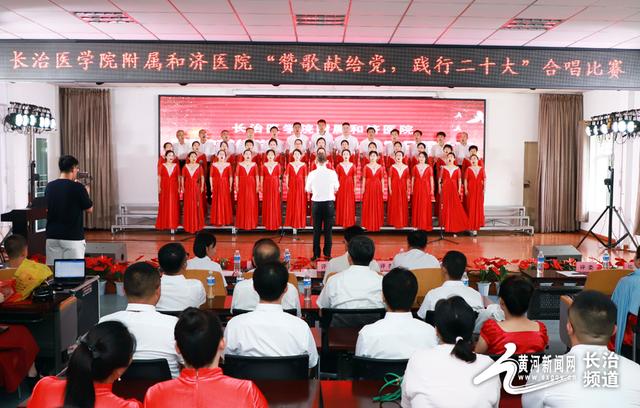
(14, 155)
(511, 119)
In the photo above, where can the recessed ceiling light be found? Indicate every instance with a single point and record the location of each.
(109, 17)
(531, 24)
(320, 19)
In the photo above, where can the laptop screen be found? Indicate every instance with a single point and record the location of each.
(69, 269)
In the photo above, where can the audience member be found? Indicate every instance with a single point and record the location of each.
(245, 296)
(198, 336)
(528, 336)
(153, 330)
(398, 335)
(357, 287)
(204, 249)
(416, 257)
(101, 357)
(16, 247)
(454, 264)
(592, 322)
(269, 331)
(177, 292)
(340, 263)
(443, 375)
(626, 296)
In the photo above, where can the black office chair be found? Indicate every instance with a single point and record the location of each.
(267, 368)
(351, 319)
(152, 370)
(237, 312)
(175, 313)
(365, 368)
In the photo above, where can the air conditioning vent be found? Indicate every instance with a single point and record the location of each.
(108, 17)
(320, 19)
(542, 24)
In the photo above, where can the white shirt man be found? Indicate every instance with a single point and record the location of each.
(269, 332)
(323, 184)
(341, 263)
(153, 332)
(179, 293)
(397, 336)
(257, 146)
(448, 289)
(437, 151)
(353, 142)
(461, 149)
(415, 258)
(245, 297)
(357, 287)
(181, 149)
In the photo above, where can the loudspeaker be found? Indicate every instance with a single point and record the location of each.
(559, 252)
(115, 250)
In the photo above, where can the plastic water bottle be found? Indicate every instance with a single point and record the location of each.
(306, 286)
(540, 262)
(287, 258)
(465, 279)
(237, 270)
(606, 260)
(211, 282)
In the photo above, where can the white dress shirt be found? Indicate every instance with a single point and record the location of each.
(575, 394)
(388, 147)
(461, 152)
(153, 332)
(231, 147)
(447, 290)
(436, 378)
(257, 146)
(269, 332)
(328, 138)
(208, 148)
(437, 151)
(340, 263)
(181, 150)
(178, 293)
(292, 139)
(415, 259)
(323, 184)
(397, 336)
(353, 143)
(205, 263)
(357, 287)
(245, 297)
(363, 148)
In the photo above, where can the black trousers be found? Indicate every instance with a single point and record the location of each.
(323, 213)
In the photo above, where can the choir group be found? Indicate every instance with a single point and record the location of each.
(446, 181)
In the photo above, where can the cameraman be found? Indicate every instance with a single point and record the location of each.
(66, 200)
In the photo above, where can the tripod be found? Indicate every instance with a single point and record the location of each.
(610, 210)
(442, 238)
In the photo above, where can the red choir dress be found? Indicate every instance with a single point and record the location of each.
(421, 214)
(247, 206)
(372, 200)
(398, 203)
(221, 207)
(526, 342)
(204, 387)
(296, 197)
(474, 201)
(202, 161)
(18, 351)
(346, 196)
(452, 215)
(466, 163)
(49, 392)
(437, 171)
(169, 200)
(161, 161)
(192, 202)
(271, 201)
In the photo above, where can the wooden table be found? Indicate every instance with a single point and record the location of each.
(552, 277)
(352, 394)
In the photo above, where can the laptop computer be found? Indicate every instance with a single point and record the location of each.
(68, 272)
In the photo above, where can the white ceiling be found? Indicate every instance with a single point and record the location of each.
(589, 23)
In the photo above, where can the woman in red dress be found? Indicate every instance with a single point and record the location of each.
(398, 202)
(161, 160)
(202, 161)
(221, 179)
(346, 195)
(295, 179)
(452, 215)
(169, 194)
(372, 198)
(270, 187)
(192, 186)
(474, 194)
(365, 157)
(466, 162)
(423, 196)
(247, 181)
(314, 163)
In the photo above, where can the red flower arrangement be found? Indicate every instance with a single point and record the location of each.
(106, 268)
(492, 269)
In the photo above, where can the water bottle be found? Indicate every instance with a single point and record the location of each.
(237, 270)
(306, 286)
(606, 259)
(465, 278)
(211, 282)
(540, 262)
(287, 258)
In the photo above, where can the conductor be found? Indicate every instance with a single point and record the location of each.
(322, 183)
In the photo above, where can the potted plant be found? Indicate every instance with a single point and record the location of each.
(485, 277)
(117, 276)
(99, 266)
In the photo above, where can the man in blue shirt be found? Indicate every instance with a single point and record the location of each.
(627, 299)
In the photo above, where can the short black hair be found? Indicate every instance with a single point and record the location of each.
(248, 141)
(67, 162)
(346, 124)
(164, 146)
(194, 142)
(171, 257)
(296, 123)
(273, 127)
(371, 128)
(473, 147)
(593, 316)
(516, 293)
(399, 288)
(322, 121)
(397, 143)
(361, 250)
(203, 240)
(423, 145)
(321, 138)
(141, 280)
(198, 334)
(270, 280)
(273, 140)
(455, 263)
(441, 133)
(417, 131)
(447, 145)
(417, 239)
(15, 245)
(394, 130)
(352, 231)
(454, 318)
(265, 250)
